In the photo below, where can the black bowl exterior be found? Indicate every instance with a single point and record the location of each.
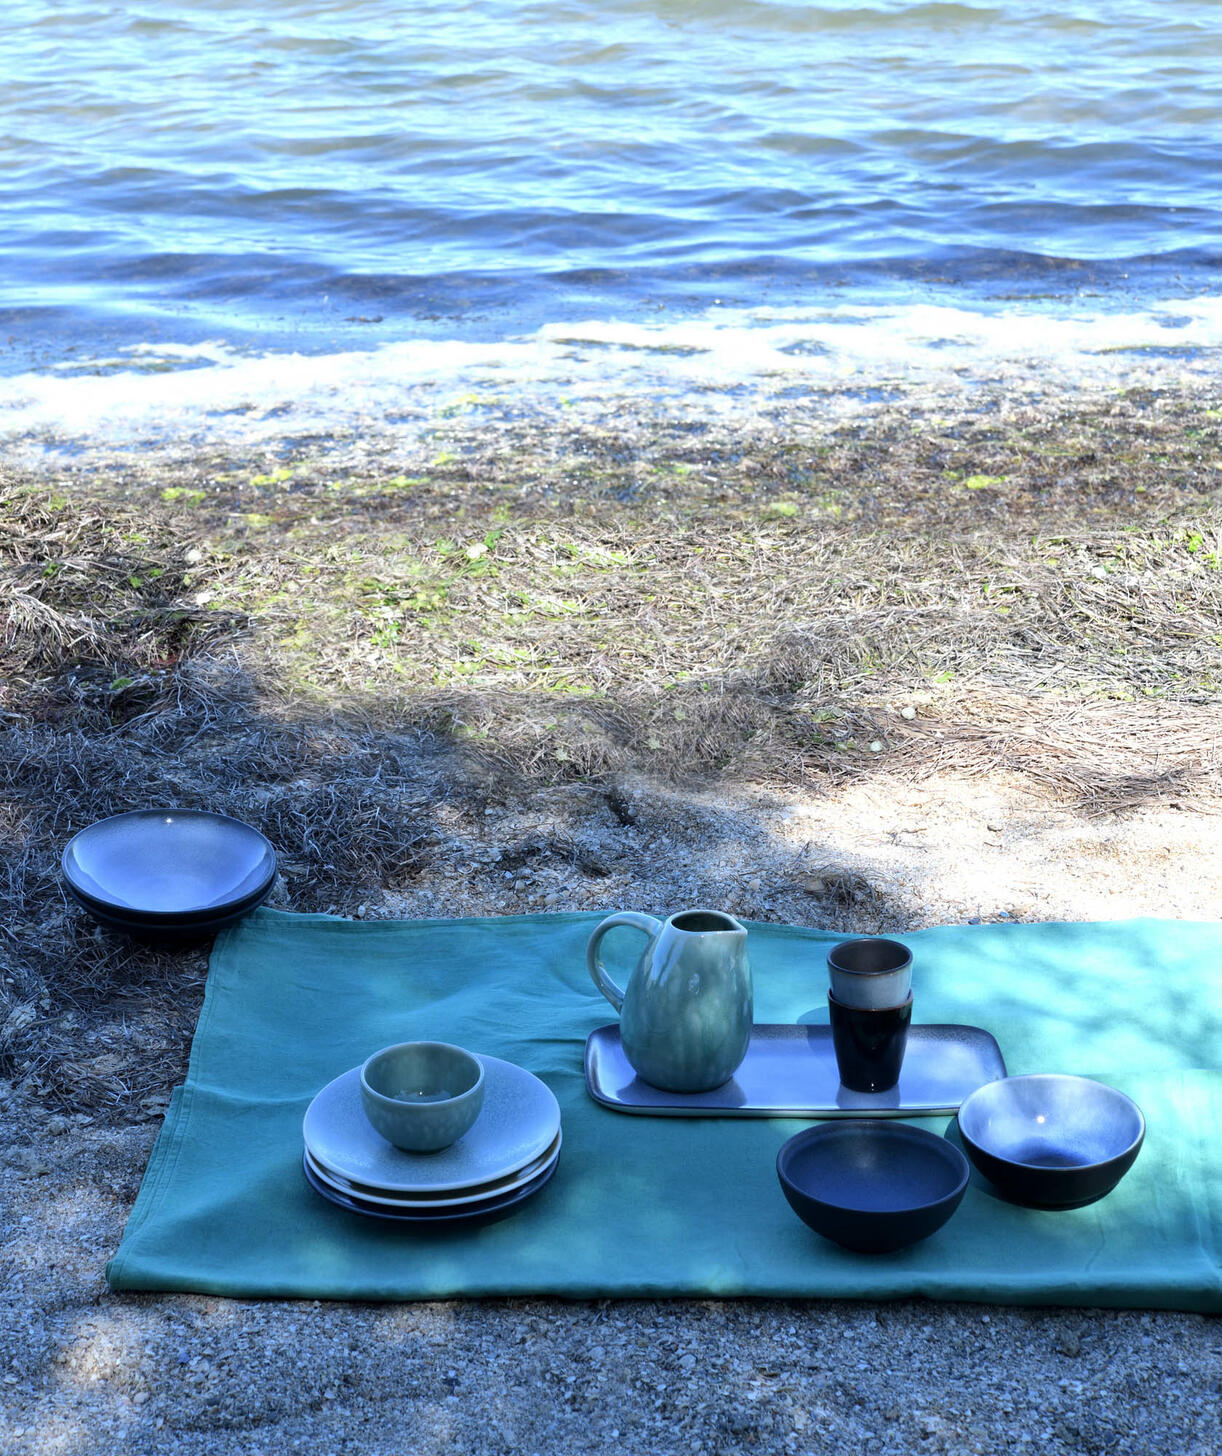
(1051, 1188)
(168, 863)
(152, 932)
(872, 1185)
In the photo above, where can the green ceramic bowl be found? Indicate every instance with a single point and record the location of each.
(422, 1095)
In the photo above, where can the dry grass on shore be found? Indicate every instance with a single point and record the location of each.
(366, 668)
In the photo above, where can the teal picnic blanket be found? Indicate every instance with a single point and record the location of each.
(648, 1206)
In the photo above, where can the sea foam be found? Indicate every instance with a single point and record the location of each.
(724, 362)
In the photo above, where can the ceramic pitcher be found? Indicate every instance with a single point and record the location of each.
(685, 1015)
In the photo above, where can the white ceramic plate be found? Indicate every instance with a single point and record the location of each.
(517, 1124)
(424, 1201)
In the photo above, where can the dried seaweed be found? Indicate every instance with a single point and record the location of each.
(363, 669)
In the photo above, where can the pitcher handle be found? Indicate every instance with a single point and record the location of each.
(598, 972)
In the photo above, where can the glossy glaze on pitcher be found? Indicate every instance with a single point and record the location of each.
(685, 1015)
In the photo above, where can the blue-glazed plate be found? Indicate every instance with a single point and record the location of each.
(169, 865)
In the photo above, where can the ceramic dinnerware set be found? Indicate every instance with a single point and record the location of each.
(430, 1136)
(687, 1046)
(450, 1174)
(422, 1134)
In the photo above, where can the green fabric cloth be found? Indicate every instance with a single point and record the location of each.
(661, 1206)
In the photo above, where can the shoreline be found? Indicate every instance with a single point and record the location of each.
(798, 368)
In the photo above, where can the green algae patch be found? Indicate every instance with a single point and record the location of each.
(707, 593)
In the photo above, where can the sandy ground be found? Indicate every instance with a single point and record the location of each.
(85, 1370)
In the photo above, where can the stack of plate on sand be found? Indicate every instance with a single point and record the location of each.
(509, 1153)
(169, 874)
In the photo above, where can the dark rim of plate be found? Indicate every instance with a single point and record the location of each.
(199, 923)
(170, 918)
(461, 1214)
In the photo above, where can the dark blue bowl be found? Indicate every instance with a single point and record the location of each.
(872, 1184)
(169, 933)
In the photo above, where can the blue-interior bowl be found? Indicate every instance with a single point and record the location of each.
(1051, 1140)
(873, 1185)
(167, 866)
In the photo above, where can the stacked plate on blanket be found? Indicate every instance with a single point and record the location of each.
(509, 1154)
(169, 874)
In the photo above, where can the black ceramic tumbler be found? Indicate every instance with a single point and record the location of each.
(869, 1043)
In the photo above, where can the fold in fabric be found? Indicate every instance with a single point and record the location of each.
(646, 1206)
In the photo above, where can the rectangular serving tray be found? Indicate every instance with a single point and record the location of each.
(790, 1071)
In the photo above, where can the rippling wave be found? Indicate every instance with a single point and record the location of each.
(321, 176)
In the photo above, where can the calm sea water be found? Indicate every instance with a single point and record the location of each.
(315, 206)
